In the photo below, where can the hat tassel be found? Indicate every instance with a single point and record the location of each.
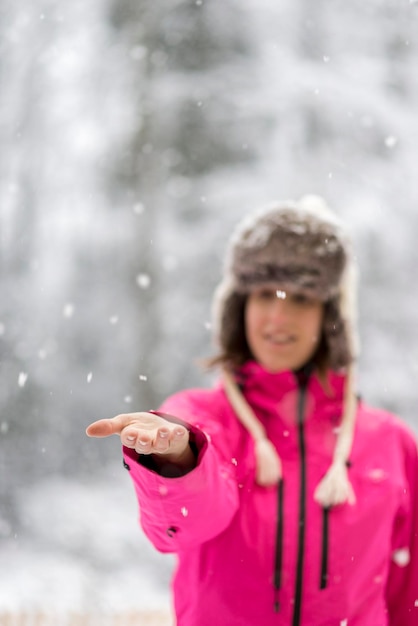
(268, 463)
(335, 488)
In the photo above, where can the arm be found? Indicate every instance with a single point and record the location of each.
(180, 513)
(150, 434)
(186, 495)
(402, 588)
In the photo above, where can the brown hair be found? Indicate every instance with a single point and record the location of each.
(235, 351)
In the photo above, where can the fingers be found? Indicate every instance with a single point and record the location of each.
(147, 433)
(106, 427)
(162, 440)
(165, 439)
(101, 428)
(173, 443)
(115, 425)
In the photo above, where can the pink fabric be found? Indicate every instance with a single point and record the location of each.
(223, 526)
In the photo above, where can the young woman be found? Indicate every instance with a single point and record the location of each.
(287, 501)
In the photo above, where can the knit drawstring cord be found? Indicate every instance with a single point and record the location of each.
(335, 487)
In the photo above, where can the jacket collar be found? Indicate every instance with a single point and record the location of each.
(271, 393)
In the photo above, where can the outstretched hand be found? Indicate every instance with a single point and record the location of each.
(147, 433)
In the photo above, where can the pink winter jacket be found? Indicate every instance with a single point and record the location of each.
(256, 556)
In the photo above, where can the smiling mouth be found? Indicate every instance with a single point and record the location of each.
(280, 340)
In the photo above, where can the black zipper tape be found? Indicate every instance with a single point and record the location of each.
(325, 548)
(279, 548)
(303, 378)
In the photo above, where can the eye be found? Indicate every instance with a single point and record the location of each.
(300, 298)
(265, 294)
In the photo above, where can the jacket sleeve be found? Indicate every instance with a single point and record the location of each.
(402, 589)
(181, 512)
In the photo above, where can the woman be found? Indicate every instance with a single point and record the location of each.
(286, 500)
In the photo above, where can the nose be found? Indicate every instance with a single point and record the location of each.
(280, 308)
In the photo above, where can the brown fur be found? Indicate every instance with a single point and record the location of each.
(302, 253)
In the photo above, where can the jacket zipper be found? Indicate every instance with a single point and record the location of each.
(324, 556)
(303, 377)
(279, 548)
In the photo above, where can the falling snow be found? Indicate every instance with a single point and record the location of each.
(324, 131)
(391, 141)
(377, 475)
(401, 557)
(68, 310)
(138, 208)
(143, 281)
(22, 378)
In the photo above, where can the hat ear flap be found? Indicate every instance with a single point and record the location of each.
(348, 305)
(335, 487)
(268, 466)
(229, 323)
(335, 331)
(340, 320)
(267, 248)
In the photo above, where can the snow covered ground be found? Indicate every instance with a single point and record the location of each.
(81, 550)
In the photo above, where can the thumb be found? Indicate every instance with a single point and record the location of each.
(106, 427)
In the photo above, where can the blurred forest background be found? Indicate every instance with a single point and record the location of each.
(134, 135)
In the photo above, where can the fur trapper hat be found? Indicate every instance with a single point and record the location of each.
(300, 247)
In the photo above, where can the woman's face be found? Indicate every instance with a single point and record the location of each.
(283, 330)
